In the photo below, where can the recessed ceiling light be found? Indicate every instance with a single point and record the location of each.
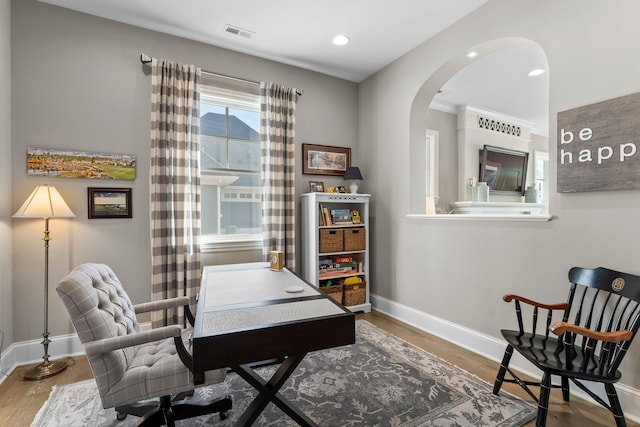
(536, 72)
(341, 40)
(472, 54)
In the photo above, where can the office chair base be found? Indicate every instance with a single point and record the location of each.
(167, 410)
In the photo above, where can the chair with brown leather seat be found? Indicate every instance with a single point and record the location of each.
(582, 339)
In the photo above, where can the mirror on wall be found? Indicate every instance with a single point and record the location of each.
(507, 86)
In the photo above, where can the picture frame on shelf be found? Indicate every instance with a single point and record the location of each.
(109, 202)
(325, 160)
(316, 186)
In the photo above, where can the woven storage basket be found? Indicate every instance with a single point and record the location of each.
(331, 240)
(354, 239)
(355, 294)
(335, 292)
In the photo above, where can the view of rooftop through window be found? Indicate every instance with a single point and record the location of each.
(230, 162)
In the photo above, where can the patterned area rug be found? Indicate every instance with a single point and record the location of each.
(380, 380)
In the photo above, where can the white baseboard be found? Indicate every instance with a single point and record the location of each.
(31, 352)
(492, 348)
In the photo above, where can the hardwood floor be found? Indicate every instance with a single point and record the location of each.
(577, 413)
(20, 400)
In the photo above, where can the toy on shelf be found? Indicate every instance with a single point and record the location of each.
(355, 217)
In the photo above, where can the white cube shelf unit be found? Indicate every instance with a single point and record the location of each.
(316, 252)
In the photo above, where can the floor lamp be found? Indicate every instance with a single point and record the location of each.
(45, 202)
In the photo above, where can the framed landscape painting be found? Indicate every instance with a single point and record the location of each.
(52, 162)
(109, 202)
(325, 160)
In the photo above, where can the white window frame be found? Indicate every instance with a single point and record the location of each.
(541, 173)
(431, 163)
(212, 243)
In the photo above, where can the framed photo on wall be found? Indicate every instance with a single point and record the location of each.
(109, 202)
(325, 160)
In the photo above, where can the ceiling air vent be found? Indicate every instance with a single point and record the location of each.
(238, 31)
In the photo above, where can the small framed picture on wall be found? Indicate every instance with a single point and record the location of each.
(109, 202)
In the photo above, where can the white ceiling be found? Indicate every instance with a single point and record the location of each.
(498, 83)
(295, 32)
(299, 33)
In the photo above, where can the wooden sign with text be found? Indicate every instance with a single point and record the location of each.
(598, 146)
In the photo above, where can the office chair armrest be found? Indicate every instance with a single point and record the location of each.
(109, 344)
(166, 303)
(560, 328)
(560, 306)
(160, 304)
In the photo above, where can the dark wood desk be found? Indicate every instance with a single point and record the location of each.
(247, 314)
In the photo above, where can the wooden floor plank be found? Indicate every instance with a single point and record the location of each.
(20, 400)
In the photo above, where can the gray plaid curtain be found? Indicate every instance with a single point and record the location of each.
(277, 129)
(175, 185)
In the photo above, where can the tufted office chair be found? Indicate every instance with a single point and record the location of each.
(129, 364)
(583, 339)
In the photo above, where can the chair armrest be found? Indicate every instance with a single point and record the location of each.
(560, 328)
(109, 344)
(160, 304)
(560, 306)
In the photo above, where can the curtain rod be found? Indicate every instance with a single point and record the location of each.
(145, 59)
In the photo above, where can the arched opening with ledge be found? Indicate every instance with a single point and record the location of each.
(498, 75)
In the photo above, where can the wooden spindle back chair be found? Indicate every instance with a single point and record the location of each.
(582, 339)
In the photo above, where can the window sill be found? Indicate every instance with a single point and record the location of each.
(482, 217)
(231, 244)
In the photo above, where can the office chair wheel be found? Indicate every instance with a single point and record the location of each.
(224, 415)
(120, 416)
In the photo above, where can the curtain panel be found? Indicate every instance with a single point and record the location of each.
(175, 185)
(277, 129)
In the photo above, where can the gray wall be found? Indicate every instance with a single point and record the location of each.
(6, 291)
(446, 125)
(78, 84)
(458, 271)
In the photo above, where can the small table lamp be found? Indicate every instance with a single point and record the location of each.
(45, 202)
(352, 174)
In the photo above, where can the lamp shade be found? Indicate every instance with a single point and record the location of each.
(44, 202)
(353, 172)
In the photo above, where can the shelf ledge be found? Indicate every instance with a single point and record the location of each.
(482, 217)
(498, 208)
(340, 275)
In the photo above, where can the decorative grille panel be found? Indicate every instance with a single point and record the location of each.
(498, 126)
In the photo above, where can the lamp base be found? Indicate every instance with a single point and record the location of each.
(45, 369)
(353, 188)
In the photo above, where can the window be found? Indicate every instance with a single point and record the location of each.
(231, 190)
(432, 164)
(541, 174)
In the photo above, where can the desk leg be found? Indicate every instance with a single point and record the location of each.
(268, 392)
